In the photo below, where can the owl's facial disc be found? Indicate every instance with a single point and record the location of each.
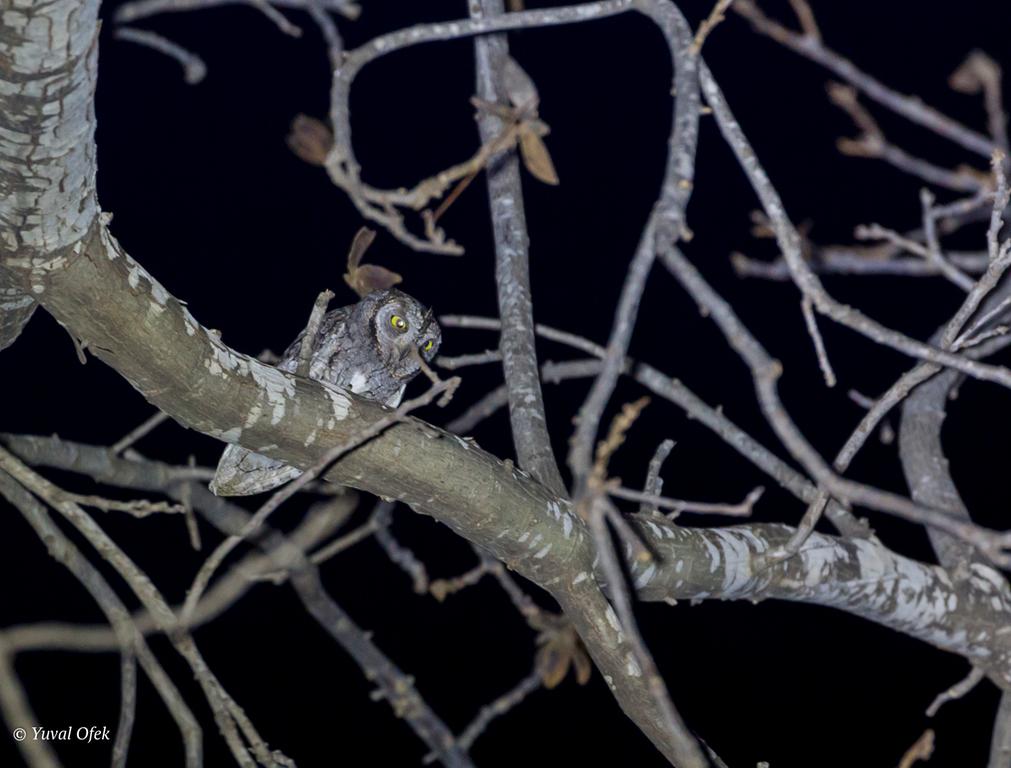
(404, 330)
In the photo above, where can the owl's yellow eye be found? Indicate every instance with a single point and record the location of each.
(398, 323)
(428, 346)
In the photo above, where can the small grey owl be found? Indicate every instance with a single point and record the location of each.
(368, 348)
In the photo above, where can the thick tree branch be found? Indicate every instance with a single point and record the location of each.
(47, 154)
(858, 576)
(926, 469)
(861, 577)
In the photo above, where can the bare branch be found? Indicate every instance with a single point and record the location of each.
(957, 691)
(654, 483)
(399, 555)
(125, 634)
(512, 263)
(194, 69)
(507, 701)
(311, 331)
(667, 388)
(979, 73)
(819, 344)
(138, 432)
(804, 277)
(18, 714)
(666, 224)
(909, 107)
(140, 9)
(741, 509)
(380, 205)
(127, 709)
(227, 714)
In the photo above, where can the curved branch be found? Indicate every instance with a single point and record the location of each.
(926, 469)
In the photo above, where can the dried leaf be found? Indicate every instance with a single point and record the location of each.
(975, 73)
(536, 157)
(310, 139)
(553, 660)
(370, 277)
(581, 665)
(362, 240)
(366, 278)
(922, 749)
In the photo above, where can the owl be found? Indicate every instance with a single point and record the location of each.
(370, 348)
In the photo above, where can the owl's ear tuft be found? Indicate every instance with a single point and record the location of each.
(366, 278)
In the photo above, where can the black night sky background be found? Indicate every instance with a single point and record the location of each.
(207, 197)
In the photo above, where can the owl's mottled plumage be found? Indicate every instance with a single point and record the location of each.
(368, 348)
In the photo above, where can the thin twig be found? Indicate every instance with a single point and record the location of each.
(909, 107)
(957, 691)
(743, 508)
(138, 432)
(670, 389)
(128, 637)
(654, 483)
(934, 253)
(194, 69)
(978, 73)
(308, 345)
(666, 225)
(819, 345)
(440, 589)
(140, 9)
(276, 16)
(400, 555)
(463, 361)
(715, 17)
(499, 707)
(18, 714)
(803, 277)
(127, 708)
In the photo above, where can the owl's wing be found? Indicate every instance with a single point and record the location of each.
(243, 473)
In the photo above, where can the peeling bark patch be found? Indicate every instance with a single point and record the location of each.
(632, 666)
(136, 273)
(646, 576)
(340, 402)
(47, 160)
(542, 551)
(567, 525)
(612, 619)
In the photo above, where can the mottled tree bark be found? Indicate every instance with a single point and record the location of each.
(47, 157)
(57, 252)
(929, 478)
(512, 268)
